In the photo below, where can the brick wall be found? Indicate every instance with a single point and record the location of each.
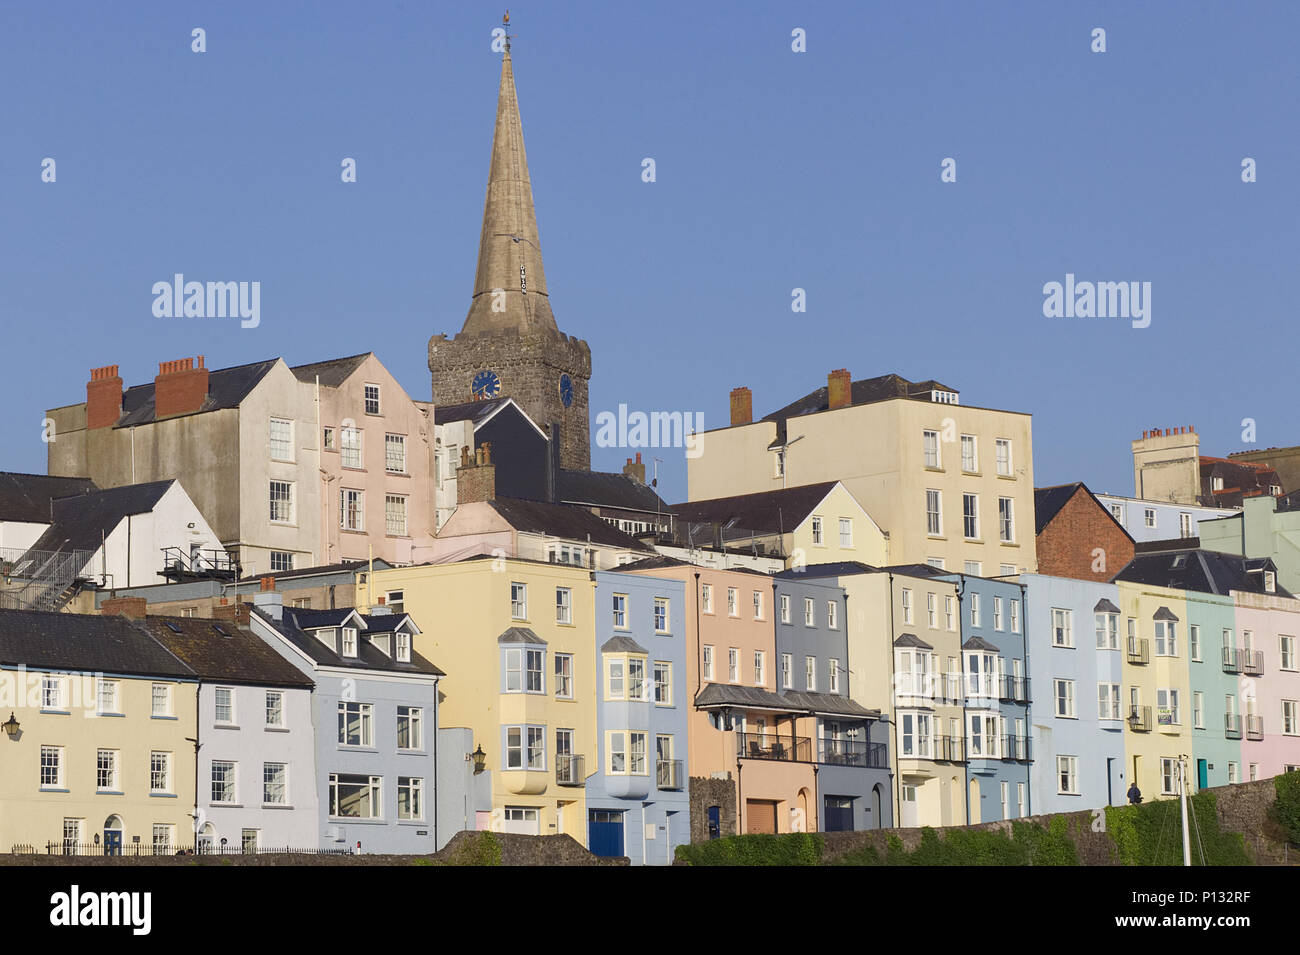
(1068, 544)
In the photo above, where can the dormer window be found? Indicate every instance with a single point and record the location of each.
(1270, 582)
(381, 642)
(327, 637)
(1216, 483)
(349, 641)
(403, 649)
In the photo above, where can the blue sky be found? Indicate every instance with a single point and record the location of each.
(775, 170)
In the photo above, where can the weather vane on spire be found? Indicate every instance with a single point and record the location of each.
(505, 23)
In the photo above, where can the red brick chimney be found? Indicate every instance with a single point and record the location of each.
(839, 389)
(133, 607)
(180, 388)
(742, 406)
(476, 478)
(635, 469)
(267, 584)
(103, 398)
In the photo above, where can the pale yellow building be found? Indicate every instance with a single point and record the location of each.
(950, 485)
(516, 639)
(100, 757)
(1156, 691)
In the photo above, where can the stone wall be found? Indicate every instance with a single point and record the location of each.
(705, 791)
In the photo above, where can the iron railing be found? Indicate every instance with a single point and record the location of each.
(1015, 689)
(1016, 748)
(1254, 727)
(180, 562)
(1139, 650)
(1231, 660)
(1252, 662)
(950, 749)
(1139, 719)
(570, 771)
(771, 746)
(668, 773)
(852, 752)
(41, 579)
(1231, 726)
(61, 847)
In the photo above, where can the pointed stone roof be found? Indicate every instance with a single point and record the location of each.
(509, 241)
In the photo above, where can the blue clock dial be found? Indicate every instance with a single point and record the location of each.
(486, 384)
(566, 390)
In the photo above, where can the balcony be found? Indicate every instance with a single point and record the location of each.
(1015, 749)
(1255, 727)
(1139, 718)
(668, 773)
(852, 752)
(1231, 660)
(570, 771)
(1015, 689)
(981, 685)
(950, 749)
(1139, 651)
(1232, 726)
(181, 564)
(795, 749)
(1252, 662)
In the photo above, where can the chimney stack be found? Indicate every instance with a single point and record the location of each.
(476, 478)
(839, 389)
(133, 607)
(742, 406)
(270, 603)
(180, 388)
(635, 470)
(103, 398)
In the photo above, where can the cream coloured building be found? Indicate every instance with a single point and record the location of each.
(951, 485)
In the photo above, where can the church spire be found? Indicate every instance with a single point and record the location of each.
(509, 251)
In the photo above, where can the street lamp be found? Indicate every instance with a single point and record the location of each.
(480, 759)
(11, 726)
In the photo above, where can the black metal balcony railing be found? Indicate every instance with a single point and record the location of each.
(1252, 662)
(1015, 689)
(1139, 650)
(981, 685)
(1231, 661)
(668, 773)
(1139, 719)
(570, 770)
(1254, 727)
(796, 749)
(852, 752)
(1015, 748)
(1231, 726)
(950, 749)
(179, 562)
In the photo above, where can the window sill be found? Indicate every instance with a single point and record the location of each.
(109, 792)
(275, 729)
(158, 717)
(357, 820)
(114, 715)
(56, 712)
(227, 805)
(225, 726)
(54, 789)
(1006, 477)
(349, 530)
(276, 805)
(162, 795)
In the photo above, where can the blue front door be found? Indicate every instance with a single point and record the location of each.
(605, 832)
(1202, 775)
(837, 814)
(112, 842)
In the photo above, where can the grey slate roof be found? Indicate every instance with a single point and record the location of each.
(621, 644)
(609, 489)
(227, 387)
(521, 635)
(730, 694)
(28, 497)
(80, 522)
(1203, 571)
(369, 657)
(978, 643)
(912, 640)
(1105, 606)
(475, 411)
(319, 571)
(1164, 613)
(862, 392)
(779, 511)
(828, 704)
(560, 520)
(332, 372)
(840, 568)
(220, 650)
(85, 643)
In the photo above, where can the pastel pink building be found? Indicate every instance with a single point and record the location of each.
(1268, 637)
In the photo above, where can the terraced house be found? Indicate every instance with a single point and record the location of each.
(375, 711)
(637, 802)
(517, 640)
(96, 750)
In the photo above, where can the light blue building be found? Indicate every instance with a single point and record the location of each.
(637, 800)
(996, 698)
(1160, 520)
(1215, 684)
(376, 718)
(850, 742)
(1076, 650)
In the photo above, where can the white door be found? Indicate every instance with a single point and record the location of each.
(909, 807)
(523, 820)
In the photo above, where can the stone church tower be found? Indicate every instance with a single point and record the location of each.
(510, 346)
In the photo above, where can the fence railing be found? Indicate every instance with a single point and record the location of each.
(1015, 689)
(1231, 660)
(570, 770)
(1231, 726)
(1255, 727)
(1252, 662)
(66, 848)
(1139, 650)
(1015, 748)
(852, 752)
(40, 579)
(1139, 719)
(950, 749)
(771, 746)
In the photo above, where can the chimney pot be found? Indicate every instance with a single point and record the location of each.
(268, 584)
(103, 397)
(180, 387)
(742, 406)
(839, 389)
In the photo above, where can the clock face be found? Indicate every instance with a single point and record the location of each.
(566, 390)
(486, 384)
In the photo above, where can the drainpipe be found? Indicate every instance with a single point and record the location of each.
(893, 749)
(198, 733)
(961, 658)
(1029, 719)
(699, 651)
(437, 790)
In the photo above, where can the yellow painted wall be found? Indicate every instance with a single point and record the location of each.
(32, 816)
(461, 609)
